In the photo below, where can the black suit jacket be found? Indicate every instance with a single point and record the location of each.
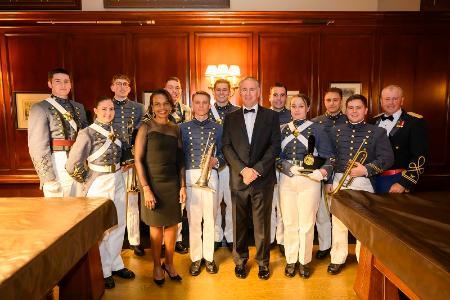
(409, 142)
(260, 154)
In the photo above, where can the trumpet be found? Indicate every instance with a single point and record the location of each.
(132, 182)
(205, 173)
(360, 157)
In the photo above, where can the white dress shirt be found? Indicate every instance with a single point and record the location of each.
(249, 119)
(388, 124)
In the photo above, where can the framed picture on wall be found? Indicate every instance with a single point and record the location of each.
(146, 99)
(23, 102)
(348, 89)
(290, 95)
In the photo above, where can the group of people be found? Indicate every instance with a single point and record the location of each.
(272, 167)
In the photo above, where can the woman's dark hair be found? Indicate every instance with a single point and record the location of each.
(164, 93)
(101, 99)
(356, 97)
(304, 97)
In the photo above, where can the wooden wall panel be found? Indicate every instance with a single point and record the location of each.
(29, 58)
(159, 56)
(222, 48)
(346, 58)
(94, 59)
(285, 58)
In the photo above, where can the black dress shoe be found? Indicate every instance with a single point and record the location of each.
(264, 272)
(239, 271)
(230, 246)
(180, 248)
(289, 270)
(195, 268)
(304, 270)
(334, 269)
(138, 250)
(217, 245)
(159, 282)
(281, 247)
(109, 282)
(173, 278)
(124, 273)
(211, 267)
(321, 254)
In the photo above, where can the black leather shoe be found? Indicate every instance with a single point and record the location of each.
(173, 278)
(211, 267)
(159, 282)
(217, 245)
(138, 250)
(180, 248)
(240, 272)
(289, 270)
(264, 272)
(195, 268)
(335, 269)
(124, 273)
(321, 254)
(230, 246)
(109, 282)
(281, 247)
(304, 270)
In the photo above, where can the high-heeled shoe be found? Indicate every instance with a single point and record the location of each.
(160, 282)
(174, 278)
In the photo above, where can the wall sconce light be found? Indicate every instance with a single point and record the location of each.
(222, 71)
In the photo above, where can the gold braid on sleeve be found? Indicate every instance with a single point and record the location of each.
(79, 173)
(415, 170)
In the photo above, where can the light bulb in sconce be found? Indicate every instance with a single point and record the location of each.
(222, 71)
(211, 73)
(232, 74)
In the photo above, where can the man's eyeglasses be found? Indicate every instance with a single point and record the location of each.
(124, 84)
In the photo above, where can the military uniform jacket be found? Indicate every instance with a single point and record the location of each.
(127, 119)
(221, 112)
(285, 116)
(348, 137)
(295, 150)
(194, 135)
(46, 123)
(409, 143)
(88, 142)
(181, 114)
(329, 121)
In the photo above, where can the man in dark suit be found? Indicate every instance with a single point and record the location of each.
(408, 136)
(250, 143)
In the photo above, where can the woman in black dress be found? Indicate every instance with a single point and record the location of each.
(160, 168)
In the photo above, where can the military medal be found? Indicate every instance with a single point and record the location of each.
(296, 133)
(112, 137)
(68, 116)
(309, 160)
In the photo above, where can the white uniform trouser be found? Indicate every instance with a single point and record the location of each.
(323, 223)
(201, 204)
(59, 159)
(112, 186)
(225, 194)
(132, 212)
(276, 220)
(339, 247)
(299, 201)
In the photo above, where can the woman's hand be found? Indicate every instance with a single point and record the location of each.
(149, 198)
(183, 194)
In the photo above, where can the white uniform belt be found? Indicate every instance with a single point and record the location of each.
(104, 169)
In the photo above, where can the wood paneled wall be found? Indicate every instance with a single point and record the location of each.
(306, 51)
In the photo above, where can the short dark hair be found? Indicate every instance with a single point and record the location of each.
(121, 76)
(356, 97)
(173, 78)
(334, 90)
(304, 97)
(57, 71)
(164, 93)
(201, 93)
(221, 80)
(100, 100)
(279, 84)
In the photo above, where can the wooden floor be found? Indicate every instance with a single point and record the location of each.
(224, 285)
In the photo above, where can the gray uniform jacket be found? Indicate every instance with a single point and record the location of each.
(328, 121)
(127, 118)
(88, 142)
(222, 111)
(45, 124)
(348, 137)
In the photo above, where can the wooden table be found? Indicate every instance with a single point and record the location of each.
(405, 242)
(52, 241)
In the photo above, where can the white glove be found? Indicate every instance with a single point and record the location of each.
(52, 187)
(316, 175)
(295, 170)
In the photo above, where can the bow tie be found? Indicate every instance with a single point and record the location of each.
(384, 118)
(252, 110)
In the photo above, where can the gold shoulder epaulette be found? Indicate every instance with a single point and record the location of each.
(415, 115)
(377, 115)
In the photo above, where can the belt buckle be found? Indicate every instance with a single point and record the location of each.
(112, 168)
